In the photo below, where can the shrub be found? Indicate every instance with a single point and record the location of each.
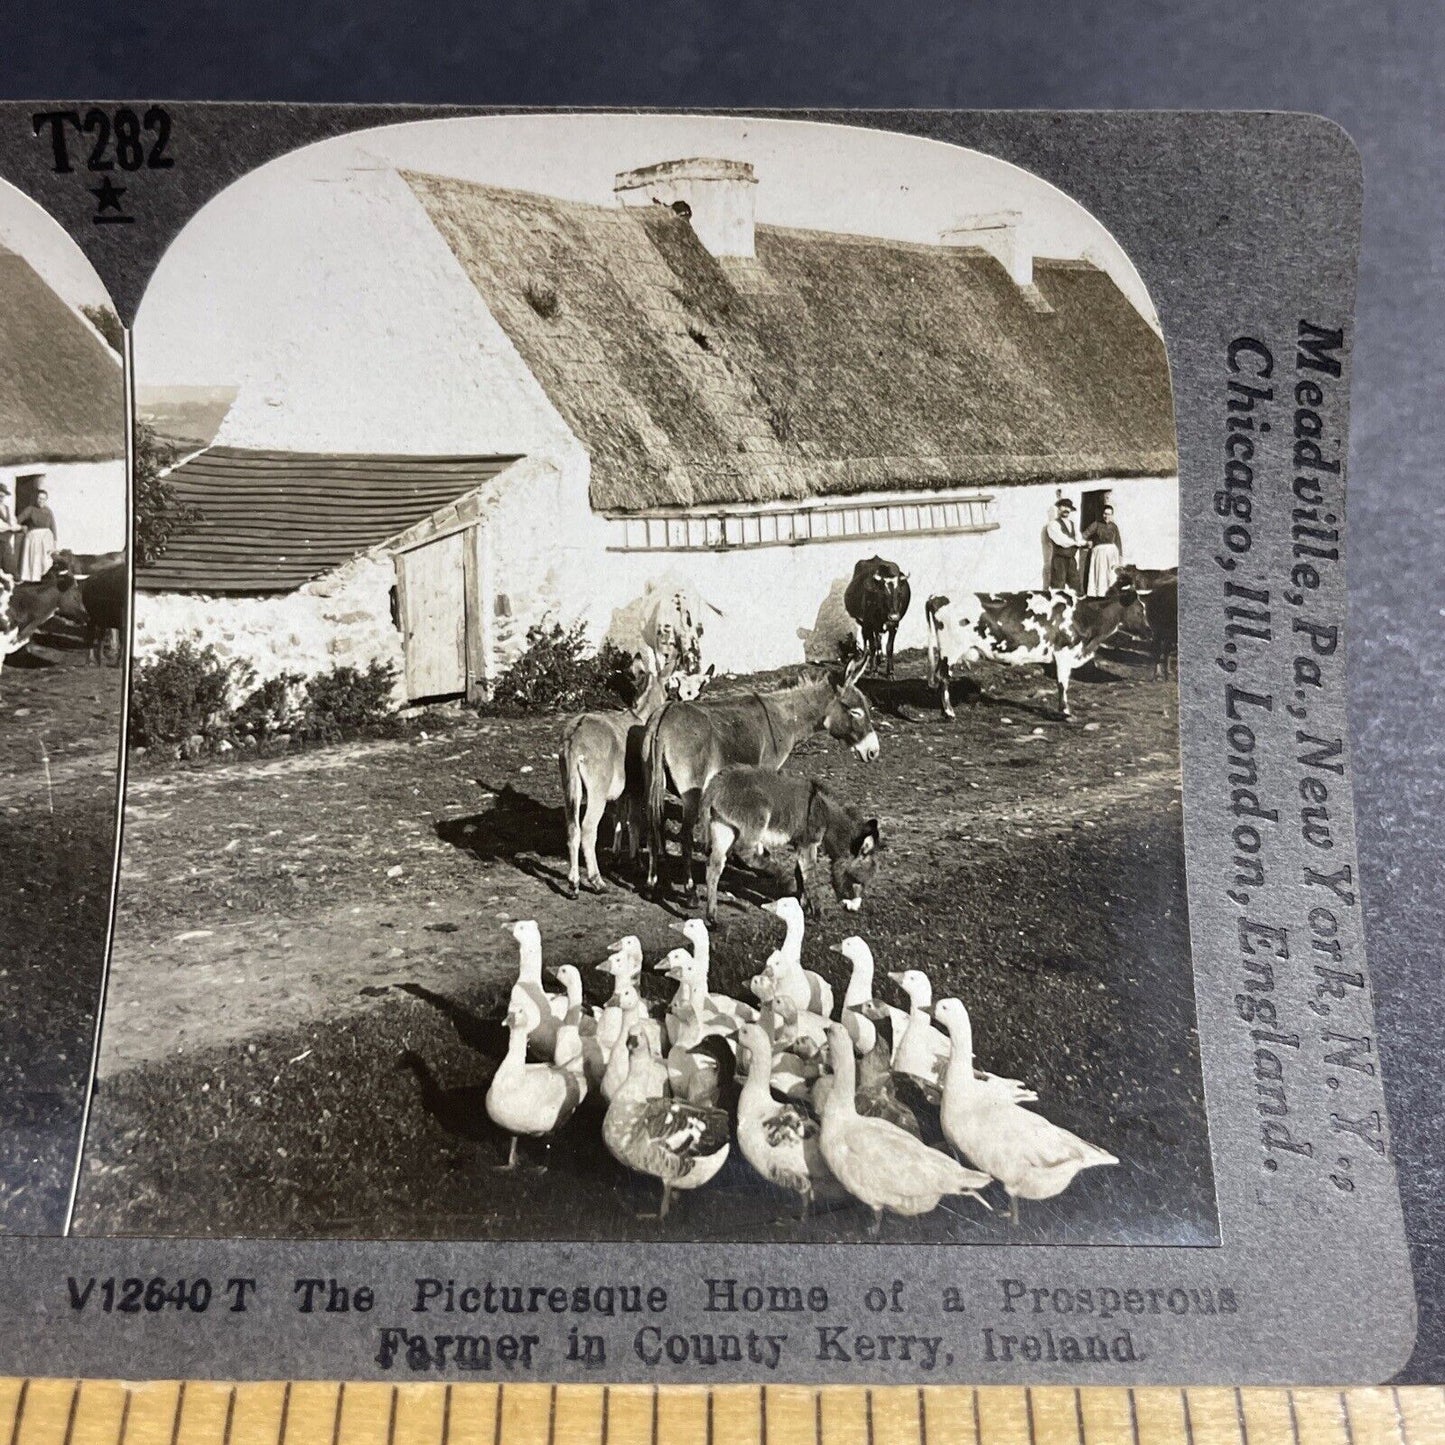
(182, 691)
(108, 324)
(557, 673)
(346, 700)
(277, 706)
(159, 514)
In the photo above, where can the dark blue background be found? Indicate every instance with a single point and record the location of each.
(1377, 68)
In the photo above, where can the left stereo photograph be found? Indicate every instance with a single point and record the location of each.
(64, 590)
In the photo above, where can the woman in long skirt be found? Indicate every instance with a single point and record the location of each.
(37, 552)
(1106, 552)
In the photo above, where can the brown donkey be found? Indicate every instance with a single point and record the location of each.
(600, 753)
(746, 811)
(687, 744)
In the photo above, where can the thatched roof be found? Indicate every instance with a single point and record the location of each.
(62, 394)
(271, 521)
(830, 365)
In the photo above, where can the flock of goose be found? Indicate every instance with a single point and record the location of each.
(878, 1104)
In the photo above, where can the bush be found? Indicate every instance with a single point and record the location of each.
(108, 324)
(186, 691)
(556, 673)
(159, 514)
(277, 706)
(345, 701)
(182, 691)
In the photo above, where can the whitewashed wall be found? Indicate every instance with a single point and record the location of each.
(548, 558)
(779, 605)
(88, 499)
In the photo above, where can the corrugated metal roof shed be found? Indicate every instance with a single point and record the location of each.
(271, 521)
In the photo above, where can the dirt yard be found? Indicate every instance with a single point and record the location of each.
(313, 954)
(59, 737)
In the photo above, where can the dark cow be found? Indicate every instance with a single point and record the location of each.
(750, 810)
(106, 598)
(877, 600)
(1160, 590)
(25, 607)
(1055, 626)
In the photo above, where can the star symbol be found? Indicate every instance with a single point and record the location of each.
(107, 196)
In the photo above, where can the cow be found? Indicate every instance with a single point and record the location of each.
(105, 595)
(672, 632)
(750, 810)
(1159, 588)
(877, 600)
(686, 744)
(600, 763)
(1053, 626)
(25, 607)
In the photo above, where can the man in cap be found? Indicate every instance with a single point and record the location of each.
(1064, 546)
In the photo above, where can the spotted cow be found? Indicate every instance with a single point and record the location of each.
(672, 631)
(1053, 626)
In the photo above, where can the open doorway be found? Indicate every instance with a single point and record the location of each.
(1091, 506)
(27, 489)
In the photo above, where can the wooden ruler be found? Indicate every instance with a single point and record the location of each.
(108, 1412)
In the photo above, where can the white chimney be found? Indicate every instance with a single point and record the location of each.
(716, 197)
(1002, 234)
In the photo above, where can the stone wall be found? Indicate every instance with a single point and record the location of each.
(341, 618)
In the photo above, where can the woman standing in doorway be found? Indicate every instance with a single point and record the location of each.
(37, 552)
(1106, 551)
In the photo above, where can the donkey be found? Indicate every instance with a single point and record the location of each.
(687, 744)
(600, 753)
(749, 810)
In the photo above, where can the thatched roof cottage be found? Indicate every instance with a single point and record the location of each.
(691, 396)
(62, 411)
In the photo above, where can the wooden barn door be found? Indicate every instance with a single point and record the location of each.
(431, 588)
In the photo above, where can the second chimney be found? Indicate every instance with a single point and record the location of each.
(716, 196)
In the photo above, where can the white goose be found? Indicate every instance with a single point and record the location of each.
(780, 1141)
(681, 1144)
(551, 1008)
(577, 1033)
(859, 992)
(783, 1020)
(629, 1008)
(625, 965)
(877, 1162)
(1032, 1157)
(532, 1100)
(692, 1063)
(806, 989)
(696, 933)
(571, 980)
(693, 1013)
(860, 979)
(923, 1051)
